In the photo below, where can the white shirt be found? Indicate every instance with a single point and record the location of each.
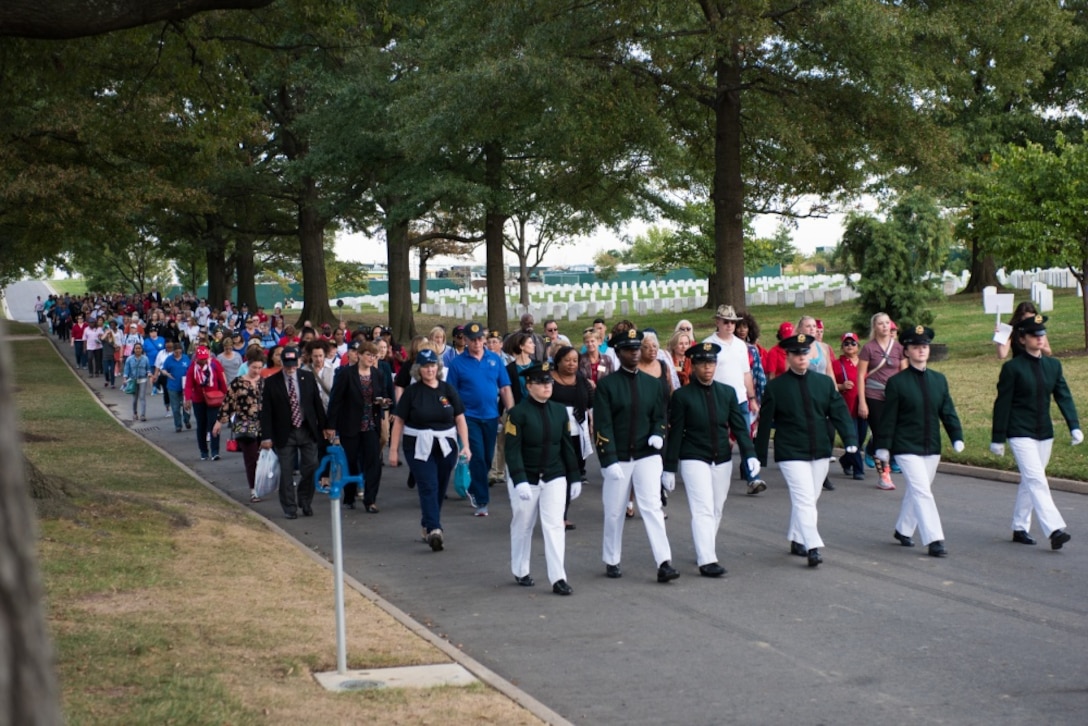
(732, 364)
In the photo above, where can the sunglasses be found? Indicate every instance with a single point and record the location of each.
(849, 342)
(685, 328)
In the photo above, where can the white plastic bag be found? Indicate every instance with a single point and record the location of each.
(267, 481)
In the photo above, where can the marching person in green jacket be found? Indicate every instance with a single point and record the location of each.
(540, 459)
(701, 416)
(629, 416)
(1022, 415)
(797, 406)
(916, 403)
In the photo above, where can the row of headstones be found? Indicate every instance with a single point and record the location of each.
(1023, 280)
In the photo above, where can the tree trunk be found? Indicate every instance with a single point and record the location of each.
(523, 273)
(493, 226)
(728, 191)
(28, 685)
(1084, 296)
(422, 279)
(311, 237)
(983, 271)
(215, 258)
(401, 319)
(246, 271)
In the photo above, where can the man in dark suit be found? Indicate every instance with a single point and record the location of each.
(292, 419)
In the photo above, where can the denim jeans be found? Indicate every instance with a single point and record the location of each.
(432, 479)
(481, 441)
(177, 407)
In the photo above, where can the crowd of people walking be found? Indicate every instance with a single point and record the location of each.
(526, 411)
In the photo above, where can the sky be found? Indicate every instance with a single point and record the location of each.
(810, 234)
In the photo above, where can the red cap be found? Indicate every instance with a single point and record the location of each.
(202, 353)
(785, 330)
(849, 336)
(894, 326)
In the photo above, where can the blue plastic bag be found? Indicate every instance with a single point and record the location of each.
(461, 477)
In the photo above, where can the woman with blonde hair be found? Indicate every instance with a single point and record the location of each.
(879, 360)
(678, 344)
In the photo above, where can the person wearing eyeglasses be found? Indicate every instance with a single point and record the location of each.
(552, 334)
(846, 382)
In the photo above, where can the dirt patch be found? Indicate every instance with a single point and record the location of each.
(37, 438)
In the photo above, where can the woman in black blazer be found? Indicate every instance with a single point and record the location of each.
(359, 395)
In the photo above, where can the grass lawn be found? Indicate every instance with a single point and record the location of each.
(70, 286)
(168, 604)
(972, 366)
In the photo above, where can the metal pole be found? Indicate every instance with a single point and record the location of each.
(338, 582)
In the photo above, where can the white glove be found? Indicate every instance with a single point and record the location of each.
(668, 480)
(656, 442)
(883, 455)
(997, 449)
(613, 471)
(851, 449)
(1078, 436)
(575, 489)
(957, 446)
(524, 492)
(753, 466)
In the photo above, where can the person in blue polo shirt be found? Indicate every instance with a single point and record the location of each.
(480, 379)
(174, 368)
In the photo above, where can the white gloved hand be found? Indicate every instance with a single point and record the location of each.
(575, 489)
(851, 449)
(883, 455)
(613, 471)
(668, 480)
(1078, 436)
(524, 493)
(997, 449)
(753, 466)
(958, 446)
(656, 442)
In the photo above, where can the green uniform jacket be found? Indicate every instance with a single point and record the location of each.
(798, 407)
(915, 404)
(627, 410)
(1024, 389)
(700, 420)
(538, 443)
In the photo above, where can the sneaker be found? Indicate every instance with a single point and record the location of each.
(480, 512)
(885, 481)
(434, 539)
(177, 429)
(203, 457)
(254, 498)
(471, 500)
(869, 462)
(896, 469)
(215, 457)
(756, 486)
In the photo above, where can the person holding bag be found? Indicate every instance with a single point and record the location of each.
(879, 360)
(137, 380)
(205, 390)
(243, 403)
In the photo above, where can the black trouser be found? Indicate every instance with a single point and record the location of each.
(876, 408)
(364, 454)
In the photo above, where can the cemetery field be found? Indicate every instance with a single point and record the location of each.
(972, 366)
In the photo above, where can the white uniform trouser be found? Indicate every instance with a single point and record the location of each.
(548, 498)
(919, 509)
(645, 476)
(707, 486)
(805, 480)
(1032, 456)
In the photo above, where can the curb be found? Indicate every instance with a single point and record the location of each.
(482, 672)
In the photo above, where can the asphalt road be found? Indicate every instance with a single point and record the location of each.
(994, 634)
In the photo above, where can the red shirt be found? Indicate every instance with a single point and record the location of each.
(774, 362)
(845, 370)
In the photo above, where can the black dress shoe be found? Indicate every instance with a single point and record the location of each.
(526, 581)
(666, 572)
(828, 486)
(1059, 537)
(936, 549)
(290, 515)
(613, 571)
(307, 512)
(1022, 537)
(711, 570)
(903, 539)
(560, 587)
(814, 558)
(796, 548)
